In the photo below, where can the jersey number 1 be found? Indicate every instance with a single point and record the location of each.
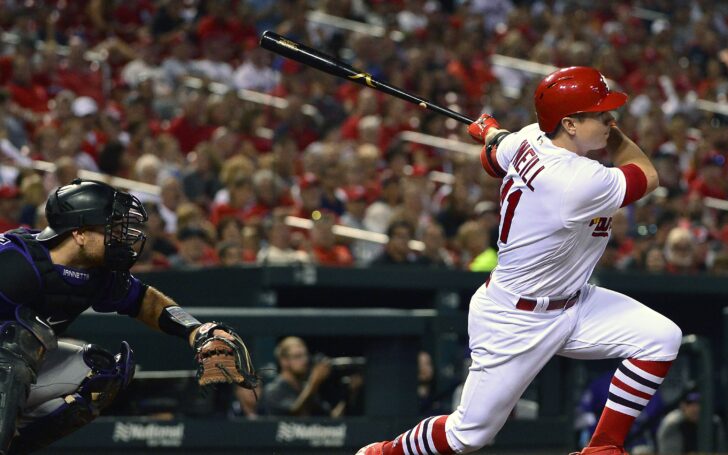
(513, 199)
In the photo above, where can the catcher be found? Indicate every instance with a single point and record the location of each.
(48, 388)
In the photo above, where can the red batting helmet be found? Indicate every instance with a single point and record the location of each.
(571, 91)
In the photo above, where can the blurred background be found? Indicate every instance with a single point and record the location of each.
(342, 231)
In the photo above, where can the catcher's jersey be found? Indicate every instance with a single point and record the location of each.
(57, 293)
(556, 214)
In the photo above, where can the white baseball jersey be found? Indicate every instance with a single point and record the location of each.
(556, 214)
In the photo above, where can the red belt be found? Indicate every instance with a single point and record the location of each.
(525, 304)
(529, 304)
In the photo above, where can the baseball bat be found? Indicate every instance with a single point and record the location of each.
(322, 62)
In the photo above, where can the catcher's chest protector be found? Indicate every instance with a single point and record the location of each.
(57, 299)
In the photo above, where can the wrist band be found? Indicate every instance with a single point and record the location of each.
(176, 321)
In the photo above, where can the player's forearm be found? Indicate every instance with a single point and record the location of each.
(162, 313)
(339, 409)
(153, 305)
(304, 399)
(624, 151)
(492, 133)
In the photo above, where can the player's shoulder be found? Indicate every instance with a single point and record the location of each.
(527, 133)
(10, 240)
(587, 168)
(19, 279)
(586, 179)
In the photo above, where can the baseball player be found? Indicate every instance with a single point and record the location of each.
(81, 260)
(555, 221)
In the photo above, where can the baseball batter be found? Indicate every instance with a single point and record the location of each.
(48, 388)
(555, 221)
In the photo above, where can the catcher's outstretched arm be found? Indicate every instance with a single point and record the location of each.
(221, 354)
(160, 312)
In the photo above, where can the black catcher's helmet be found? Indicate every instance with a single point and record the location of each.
(91, 203)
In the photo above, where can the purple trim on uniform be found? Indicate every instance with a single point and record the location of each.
(129, 305)
(4, 297)
(24, 251)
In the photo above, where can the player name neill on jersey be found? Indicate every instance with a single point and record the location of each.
(526, 164)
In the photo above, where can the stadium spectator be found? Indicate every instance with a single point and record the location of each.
(324, 249)
(397, 250)
(378, 215)
(474, 242)
(23, 91)
(126, 67)
(295, 391)
(655, 260)
(256, 73)
(680, 251)
(33, 195)
(9, 207)
(356, 203)
(191, 127)
(309, 196)
(278, 249)
(435, 253)
(193, 250)
(240, 204)
(230, 253)
(171, 197)
(678, 430)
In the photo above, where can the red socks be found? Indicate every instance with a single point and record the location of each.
(426, 438)
(633, 384)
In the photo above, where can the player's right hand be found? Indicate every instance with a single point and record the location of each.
(478, 130)
(320, 371)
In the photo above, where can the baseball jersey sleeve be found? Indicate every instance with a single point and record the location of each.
(497, 161)
(594, 190)
(125, 294)
(503, 154)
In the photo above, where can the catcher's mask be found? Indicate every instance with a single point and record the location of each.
(91, 203)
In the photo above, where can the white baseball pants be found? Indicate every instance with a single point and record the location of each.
(510, 346)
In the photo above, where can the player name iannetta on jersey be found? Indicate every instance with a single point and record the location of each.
(526, 163)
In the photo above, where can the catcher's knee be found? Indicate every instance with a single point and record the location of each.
(56, 418)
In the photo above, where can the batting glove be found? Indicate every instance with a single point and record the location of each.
(479, 128)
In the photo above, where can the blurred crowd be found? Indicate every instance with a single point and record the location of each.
(163, 92)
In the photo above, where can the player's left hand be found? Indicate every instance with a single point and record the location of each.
(479, 128)
(222, 357)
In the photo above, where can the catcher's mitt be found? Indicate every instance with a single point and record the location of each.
(222, 357)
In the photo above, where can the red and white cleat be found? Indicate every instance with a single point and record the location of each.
(372, 449)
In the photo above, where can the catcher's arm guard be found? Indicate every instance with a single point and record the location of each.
(222, 357)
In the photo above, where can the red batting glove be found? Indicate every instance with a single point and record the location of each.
(479, 128)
